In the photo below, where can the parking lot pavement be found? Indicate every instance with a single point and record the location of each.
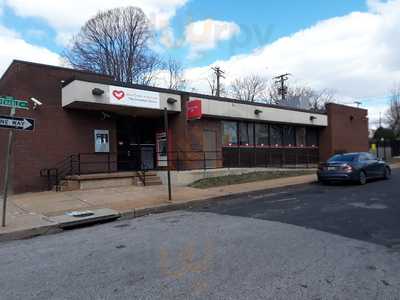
(370, 213)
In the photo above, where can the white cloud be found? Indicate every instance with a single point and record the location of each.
(167, 38)
(356, 55)
(17, 48)
(205, 34)
(67, 16)
(70, 15)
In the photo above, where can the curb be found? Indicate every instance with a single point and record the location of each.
(30, 233)
(141, 212)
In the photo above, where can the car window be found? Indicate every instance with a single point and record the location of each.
(343, 158)
(371, 156)
(363, 157)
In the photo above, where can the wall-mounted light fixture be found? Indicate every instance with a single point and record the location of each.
(171, 100)
(257, 112)
(312, 118)
(97, 92)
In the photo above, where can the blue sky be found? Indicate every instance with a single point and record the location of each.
(274, 19)
(347, 47)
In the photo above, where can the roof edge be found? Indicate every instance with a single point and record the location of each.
(18, 61)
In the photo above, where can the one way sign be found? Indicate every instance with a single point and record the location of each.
(17, 123)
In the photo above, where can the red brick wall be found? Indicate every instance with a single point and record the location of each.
(347, 131)
(188, 137)
(58, 132)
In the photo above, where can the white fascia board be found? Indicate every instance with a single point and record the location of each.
(225, 109)
(81, 91)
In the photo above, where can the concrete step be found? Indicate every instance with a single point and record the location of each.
(106, 180)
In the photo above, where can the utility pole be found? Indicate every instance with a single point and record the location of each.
(218, 73)
(281, 79)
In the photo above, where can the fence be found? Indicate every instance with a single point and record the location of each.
(387, 149)
(145, 159)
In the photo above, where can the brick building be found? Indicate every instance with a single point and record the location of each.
(89, 123)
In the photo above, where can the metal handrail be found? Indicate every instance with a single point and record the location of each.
(229, 157)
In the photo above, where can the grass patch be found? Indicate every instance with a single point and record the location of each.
(244, 178)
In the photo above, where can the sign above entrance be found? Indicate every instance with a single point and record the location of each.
(133, 97)
(8, 101)
(17, 123)
(194, 110)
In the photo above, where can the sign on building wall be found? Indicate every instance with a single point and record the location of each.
(133, 97)
(101, 141)
(194, 110)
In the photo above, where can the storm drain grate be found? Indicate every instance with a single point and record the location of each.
(80, 214)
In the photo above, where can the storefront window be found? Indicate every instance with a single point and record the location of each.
(276, 135)
(262, 135)
(246, 134)
(289, 136)
(300, 136)
(229, 133)
(312, 137)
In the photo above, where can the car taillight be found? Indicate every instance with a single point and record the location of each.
(347, 168)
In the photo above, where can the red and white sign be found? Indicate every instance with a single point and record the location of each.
(194, 110)
(133, 97)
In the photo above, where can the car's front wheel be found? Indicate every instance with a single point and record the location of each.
(362, 179)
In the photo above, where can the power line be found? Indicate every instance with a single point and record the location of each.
(281, 79)
(219, 74)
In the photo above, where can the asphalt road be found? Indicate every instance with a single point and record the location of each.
(232, 250)
(370, 213)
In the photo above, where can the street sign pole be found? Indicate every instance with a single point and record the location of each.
(7, 169)
(166, 128)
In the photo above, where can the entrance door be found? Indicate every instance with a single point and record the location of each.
(136, 143)
(210, 148)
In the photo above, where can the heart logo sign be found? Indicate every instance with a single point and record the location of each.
(118, 94)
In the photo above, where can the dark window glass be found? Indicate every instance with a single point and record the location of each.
(276, 135)
(300, 136)
(312, 137)
(288, 136)
(229, 133)
(246, 134)
(262, 135)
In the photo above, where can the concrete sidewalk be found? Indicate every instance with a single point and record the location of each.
(31, 214)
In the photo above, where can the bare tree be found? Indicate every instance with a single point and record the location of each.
(176, 80)
(302, 97)
(116, 42)
(393, 113)
(249, 88)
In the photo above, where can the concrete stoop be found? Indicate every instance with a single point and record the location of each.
(107, 180)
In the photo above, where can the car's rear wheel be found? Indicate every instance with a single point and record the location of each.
(362, 179)
(387, 174)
